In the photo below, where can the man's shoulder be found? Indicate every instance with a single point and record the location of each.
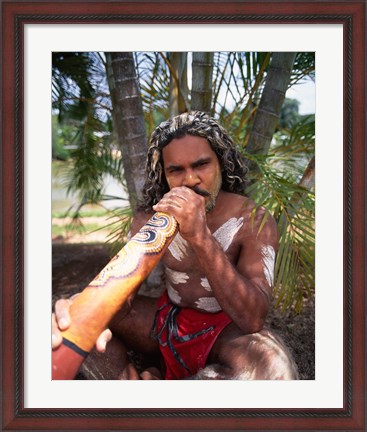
(245, 207)
(240, 204)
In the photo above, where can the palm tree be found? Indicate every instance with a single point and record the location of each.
(202, 74)
(271, 102)
(178, 90)
(128, 120)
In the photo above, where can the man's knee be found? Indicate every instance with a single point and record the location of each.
(212, 372)
(258, 356)
(268, 359)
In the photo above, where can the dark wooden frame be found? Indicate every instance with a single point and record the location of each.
(352, 16)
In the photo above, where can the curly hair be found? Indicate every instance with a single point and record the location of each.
(199, 124)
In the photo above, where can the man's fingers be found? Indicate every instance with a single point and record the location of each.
(102, 340)
(56, 335)
(62, 307)
(151, 373)
(178, 194)
(129, 373)
(170, 202)
(167, 205)
(60, 320)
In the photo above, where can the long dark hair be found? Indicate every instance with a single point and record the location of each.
(199, 124)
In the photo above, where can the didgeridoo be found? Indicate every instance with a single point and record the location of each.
(95, 306)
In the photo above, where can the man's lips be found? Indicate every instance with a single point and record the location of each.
(199, 191)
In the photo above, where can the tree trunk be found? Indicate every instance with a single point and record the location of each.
(308, 178)
(178, 83)
(268, 112)
(307, 182)
(128, 118)
(202, 79)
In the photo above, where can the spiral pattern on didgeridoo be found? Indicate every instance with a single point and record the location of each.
(150, 240)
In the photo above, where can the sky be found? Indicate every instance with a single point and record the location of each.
(305, 94)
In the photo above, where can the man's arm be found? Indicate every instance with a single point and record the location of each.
(244, 290)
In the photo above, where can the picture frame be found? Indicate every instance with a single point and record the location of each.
(14, 18)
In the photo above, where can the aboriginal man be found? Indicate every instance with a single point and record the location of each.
(209, 321)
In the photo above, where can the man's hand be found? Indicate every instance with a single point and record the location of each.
(130, 373)
(61, 321)
(188, 208)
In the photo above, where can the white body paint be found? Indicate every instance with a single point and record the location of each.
(268, 254)
(225, 234)
(176, 277)
(208, 304)
(173, 295)
(205, 284)
(178, 247)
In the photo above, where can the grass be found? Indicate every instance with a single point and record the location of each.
(58, 230)
(97, 212)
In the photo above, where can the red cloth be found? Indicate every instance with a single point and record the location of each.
(185, 337)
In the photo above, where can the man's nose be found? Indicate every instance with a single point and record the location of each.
(191, 179)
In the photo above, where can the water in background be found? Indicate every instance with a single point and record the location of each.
(62, 201)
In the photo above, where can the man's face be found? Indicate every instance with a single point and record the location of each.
(191, 162)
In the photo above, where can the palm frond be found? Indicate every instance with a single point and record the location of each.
(295, 263)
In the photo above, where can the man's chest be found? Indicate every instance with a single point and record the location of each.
(180, 255)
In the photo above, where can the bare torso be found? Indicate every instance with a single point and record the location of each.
(186, 284)
(230, 223)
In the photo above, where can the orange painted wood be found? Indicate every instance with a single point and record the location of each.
(96, 305)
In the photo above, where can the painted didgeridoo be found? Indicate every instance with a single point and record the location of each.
(95, 306)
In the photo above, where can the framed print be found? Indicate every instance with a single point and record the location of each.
(32, 31)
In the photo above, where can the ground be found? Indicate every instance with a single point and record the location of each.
(74, 265)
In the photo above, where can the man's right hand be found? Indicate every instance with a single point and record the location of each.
(61, 321)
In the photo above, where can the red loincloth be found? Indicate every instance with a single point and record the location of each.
(191, 335)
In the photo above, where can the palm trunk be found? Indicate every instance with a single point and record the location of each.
(308, 183)
(128, 118)
(177, 64)
(308, 178)
(202, 79)
(268, 112)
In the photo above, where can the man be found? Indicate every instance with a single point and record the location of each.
(208, 323)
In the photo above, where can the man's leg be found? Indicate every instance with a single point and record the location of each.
(258, 356)
(130, 332)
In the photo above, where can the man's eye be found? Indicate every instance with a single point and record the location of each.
(201, 164)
